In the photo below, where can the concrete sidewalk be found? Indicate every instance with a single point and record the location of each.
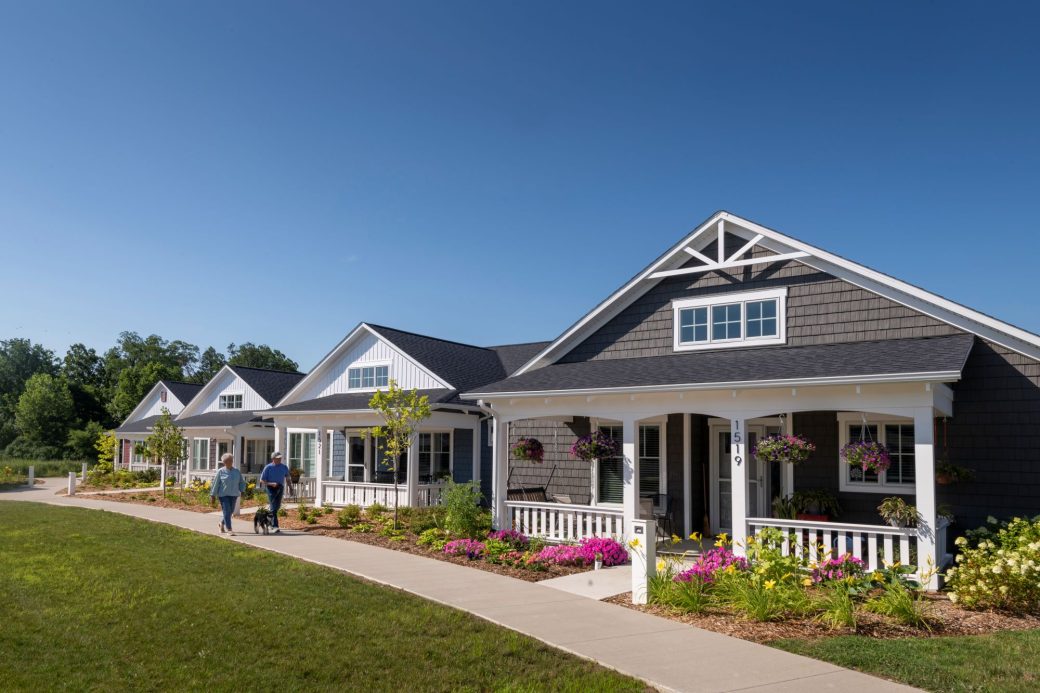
(666, 654)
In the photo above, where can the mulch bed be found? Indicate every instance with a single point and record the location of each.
(947, 619)
(155, 498)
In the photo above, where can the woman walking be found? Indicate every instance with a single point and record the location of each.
(228, 485)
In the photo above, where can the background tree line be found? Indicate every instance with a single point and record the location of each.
(52, 408)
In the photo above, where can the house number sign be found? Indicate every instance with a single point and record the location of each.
(738, 439)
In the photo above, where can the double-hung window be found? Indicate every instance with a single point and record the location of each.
(368, 377)
(610, 484)
(200, 453)
(303, 449)
(897, 436)
(651, 481)
(434, 456)
(746, 319)
(231, 401)
(610, 471)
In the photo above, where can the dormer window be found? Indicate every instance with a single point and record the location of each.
(368, 377)
(231, 401)
(714, 322)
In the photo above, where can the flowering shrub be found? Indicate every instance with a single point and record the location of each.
(787, 448)
(529, 449)
(470, 548)
(711, 562)
(1002, 571)
(846, 567)
(562, 554)
(510, 536)
(612, 552)
(595, 446)
(867, 455)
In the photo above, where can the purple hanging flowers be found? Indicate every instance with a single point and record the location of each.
(595, 446)
(529, 449)
(867, 455)
(786, 447)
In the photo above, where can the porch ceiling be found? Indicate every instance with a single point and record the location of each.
(918, 359)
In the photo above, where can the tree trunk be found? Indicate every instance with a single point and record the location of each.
(396, 496)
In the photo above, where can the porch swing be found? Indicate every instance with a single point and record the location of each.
(535, 494)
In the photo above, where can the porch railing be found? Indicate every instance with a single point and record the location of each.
(366, 494)
(563, 521)
(875, 545)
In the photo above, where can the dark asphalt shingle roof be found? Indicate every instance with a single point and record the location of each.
(217, 419)
(185, 392)
(513, 356)
(889, 357)
(271, 385)
(140, 426)
(353, 401)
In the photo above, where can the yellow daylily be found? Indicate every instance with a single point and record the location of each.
(751, 540)
(731, 569)
(660, 566)
(807, 582)
(770, 584)
(634, 543)
(676, 539)
(696, 536)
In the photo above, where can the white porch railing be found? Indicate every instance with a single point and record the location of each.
(366, 494)
(875, 545)
(563, 521)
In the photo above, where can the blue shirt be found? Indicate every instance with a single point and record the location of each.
(227, 482)
(275, 473)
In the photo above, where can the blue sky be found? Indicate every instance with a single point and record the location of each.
(277, 172)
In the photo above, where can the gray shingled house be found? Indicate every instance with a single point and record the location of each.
(739, 332)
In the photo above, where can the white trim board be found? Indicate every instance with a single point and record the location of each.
(916, 298)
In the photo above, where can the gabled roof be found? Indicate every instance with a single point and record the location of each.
(895, 360)
(513, 356)
(352, 401)
(786, 248)
(140, 426)
(270, 385)
(184, 392)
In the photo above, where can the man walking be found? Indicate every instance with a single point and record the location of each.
(273, 478)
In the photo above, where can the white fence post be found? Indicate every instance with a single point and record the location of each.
(72, 483)
(643, 553)
(32, 476)
(84, 477)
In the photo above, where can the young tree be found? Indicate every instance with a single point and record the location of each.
(259, 356)
(402, 412)
(166, 443)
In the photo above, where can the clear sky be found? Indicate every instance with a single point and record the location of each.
(488, 171)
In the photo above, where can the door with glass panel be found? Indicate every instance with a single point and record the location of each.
(759, 480)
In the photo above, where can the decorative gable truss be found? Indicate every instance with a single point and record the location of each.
(722, 262)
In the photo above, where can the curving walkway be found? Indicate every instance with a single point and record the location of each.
(666, 654)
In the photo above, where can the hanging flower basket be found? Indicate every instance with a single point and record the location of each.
(529, 449)
(786, 448)
(595, 446)
(867, 455)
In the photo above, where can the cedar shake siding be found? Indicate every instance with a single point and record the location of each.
(572, 477)
(339, 455)
(821, 309)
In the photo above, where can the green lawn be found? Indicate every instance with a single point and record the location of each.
(1001, 662)
(93, 600)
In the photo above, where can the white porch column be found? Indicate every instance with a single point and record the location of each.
(738, 483)
(411, 483)
(687, 472)
(630, 476)
(924, 474)
(499, 472)
(321, 462)
(280, 439)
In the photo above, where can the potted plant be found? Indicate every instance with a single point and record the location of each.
(595, 446)
(898, 513)
(784, 508)
(817, 504)
(599, 560)
(783, 448)
(867, 455)
(529, 449)
(947, 473)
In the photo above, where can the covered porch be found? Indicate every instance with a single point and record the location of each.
(209, 436)
(686, 464)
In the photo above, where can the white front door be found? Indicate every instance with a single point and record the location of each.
(758, 478)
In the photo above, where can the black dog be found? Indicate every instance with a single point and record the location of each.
(262, 521)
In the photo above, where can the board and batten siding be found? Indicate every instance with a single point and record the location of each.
(230, 384)
(156, 405)
(368, 350)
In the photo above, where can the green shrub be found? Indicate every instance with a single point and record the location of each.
(422, 519)
(312, 520)
(837, 607)
(496, 547)
(902, 602)
(349, 515)
(433, 538)
(692, 596)
(375, 511)
(998, 567)
(463, 515)
(361, 528)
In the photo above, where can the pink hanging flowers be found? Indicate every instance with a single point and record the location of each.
(785, 447)
(867, 455)
(595, 446)
(529, 449)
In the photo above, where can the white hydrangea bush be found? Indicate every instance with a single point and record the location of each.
(998, 567)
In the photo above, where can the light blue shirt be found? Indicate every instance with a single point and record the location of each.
(227, 482)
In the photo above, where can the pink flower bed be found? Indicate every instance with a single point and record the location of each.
(847, 566)
(612, 552)
(470, 548)
(511, 537)
(711, 562)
